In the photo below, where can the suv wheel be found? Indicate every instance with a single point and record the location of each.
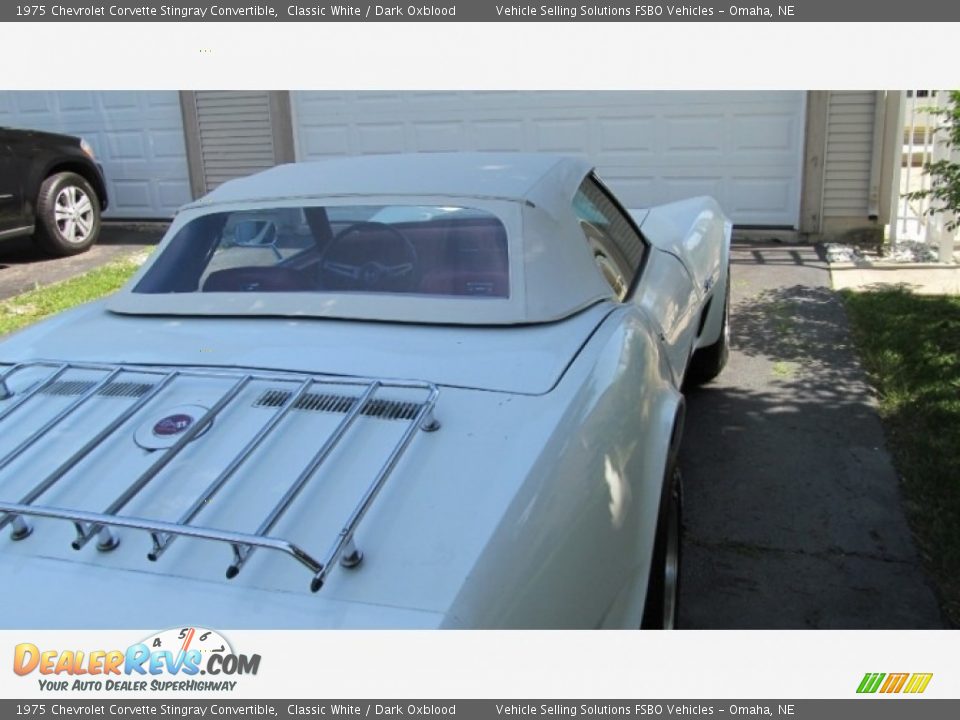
(68, 215)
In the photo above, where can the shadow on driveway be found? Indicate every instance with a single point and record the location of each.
(793, 511)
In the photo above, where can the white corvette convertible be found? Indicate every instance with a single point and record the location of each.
(438, 390)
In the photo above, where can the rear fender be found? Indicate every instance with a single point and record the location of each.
(591, 499)
(713, 325)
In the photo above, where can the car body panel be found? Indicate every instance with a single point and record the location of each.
(530, 499)
(696, 232)
(11, 194)
(523, 360)
(668, 295)
(573, 548)
(139, 599)
(445, 516)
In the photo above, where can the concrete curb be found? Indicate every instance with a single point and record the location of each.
(921, 278)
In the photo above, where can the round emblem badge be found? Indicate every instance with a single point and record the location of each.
(172, 425)
(165, 427)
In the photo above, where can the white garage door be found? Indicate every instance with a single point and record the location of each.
(137, 137)
(744, 148)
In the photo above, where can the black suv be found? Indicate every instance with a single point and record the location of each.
(52, 188)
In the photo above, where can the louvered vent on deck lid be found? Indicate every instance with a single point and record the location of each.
(113, 389)
(328, 402)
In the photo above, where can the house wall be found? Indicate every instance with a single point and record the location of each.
(851, 148)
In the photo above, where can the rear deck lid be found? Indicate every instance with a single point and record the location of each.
(527, 359)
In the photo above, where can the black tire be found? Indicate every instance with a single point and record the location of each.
(663, 588)
(709, 361)
(68, 215)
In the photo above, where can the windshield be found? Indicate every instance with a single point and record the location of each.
(409, 249)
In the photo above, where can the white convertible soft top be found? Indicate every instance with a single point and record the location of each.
(552, 272)
(510, 176)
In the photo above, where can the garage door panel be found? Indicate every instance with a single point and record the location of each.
(168, 145)
(126, 146)
(625, 137)
(380, 138)
(439, 136)
(324, 141)
(561, 135)
(684, 187)
(132, 194)
(703, 135)
(743, 147)
(32, 104)
(120, 100)
(169, 193)
(764, 198)
(766, 131)
(76, 101)
(497, 135)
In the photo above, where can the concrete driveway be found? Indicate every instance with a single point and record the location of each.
(793, 511)
(23, 267)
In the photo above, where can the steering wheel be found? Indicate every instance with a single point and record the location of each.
(367, 263)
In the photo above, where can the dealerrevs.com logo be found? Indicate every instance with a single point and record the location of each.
(180, 659)
(893, 683)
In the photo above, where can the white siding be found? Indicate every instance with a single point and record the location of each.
(235, 132)
(744, 148)
(846, 178)
(137, 136)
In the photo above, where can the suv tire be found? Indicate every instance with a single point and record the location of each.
(68, 215)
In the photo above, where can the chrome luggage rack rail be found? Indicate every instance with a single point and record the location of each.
(418, 416)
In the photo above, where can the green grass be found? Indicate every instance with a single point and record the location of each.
(28, 308)
(910, 346)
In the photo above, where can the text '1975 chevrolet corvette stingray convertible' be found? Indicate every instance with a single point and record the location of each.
(408, 391)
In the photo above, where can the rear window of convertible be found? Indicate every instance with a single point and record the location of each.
(424, 250)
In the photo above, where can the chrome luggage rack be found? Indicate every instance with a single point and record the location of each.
(418, 416)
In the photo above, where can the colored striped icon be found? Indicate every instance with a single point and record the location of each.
(894, 683)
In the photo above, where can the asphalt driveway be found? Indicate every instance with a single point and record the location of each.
(793, 511)
(23, 267)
